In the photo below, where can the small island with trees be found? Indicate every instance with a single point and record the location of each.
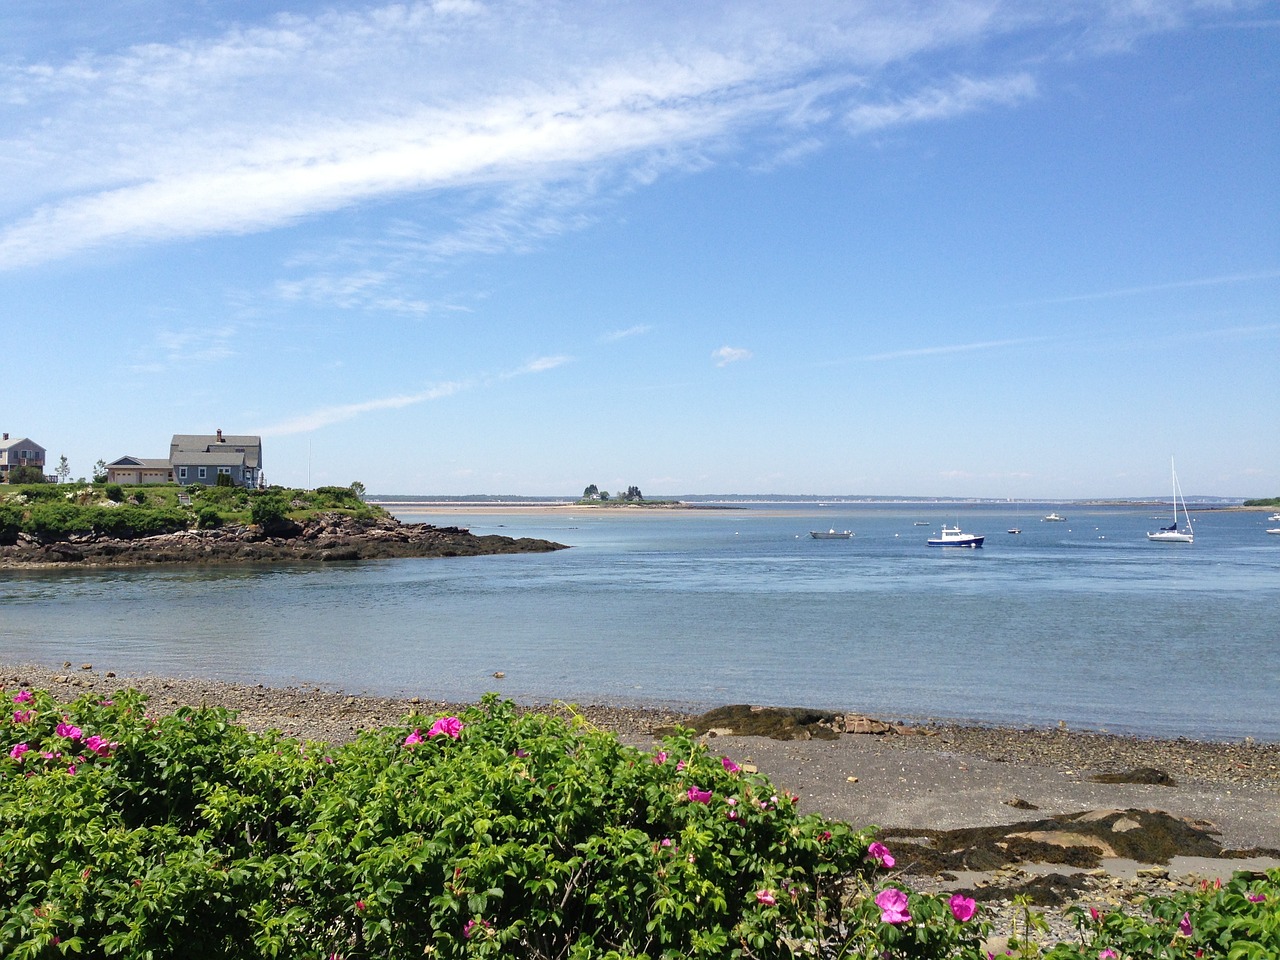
(594, 496)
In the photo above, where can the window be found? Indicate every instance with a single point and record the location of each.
(182, 473)
(200, 473)
(226, 470)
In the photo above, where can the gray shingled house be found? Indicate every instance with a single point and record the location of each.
(199, 458)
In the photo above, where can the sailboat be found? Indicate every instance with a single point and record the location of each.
(1171, 533)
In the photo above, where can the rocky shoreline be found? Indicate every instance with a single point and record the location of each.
(324, 538)
(1056, 816)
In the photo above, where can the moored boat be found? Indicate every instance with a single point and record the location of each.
(953, 537)
(1171, 533)
(832, 534)
(1054, 518)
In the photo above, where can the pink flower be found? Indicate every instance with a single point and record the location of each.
(23, 716)
(679, 765)
(698, 795)
(99, 746)
(1093, 912)
(1257, 898)
(660, 757)
(413, 738)
(68, 731)
(18, 750)
(881, 855)
(24, 696)
(360, 905)
(448, 726)
(71, 769)
(1184, 925)
(1108, 954)
(729, 765)
(766, 897)
(469, 930)
(893, 906)
(962, 908)
(666, 841)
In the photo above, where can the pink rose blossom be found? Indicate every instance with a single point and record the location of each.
(68, 731)
(470, 929)
(18, 750)
(447, 726)
(1108, 954)
(698, 795)
(24, 696)
(729, 765)
(962, 908)
(1184, 925)
(766, 897)
(1257, 898)
(23, 716)
(881, 855)
(679, 765)
(660, 757)
(893, 906)
(413, 738)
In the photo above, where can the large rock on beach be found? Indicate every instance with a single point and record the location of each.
(325, 538)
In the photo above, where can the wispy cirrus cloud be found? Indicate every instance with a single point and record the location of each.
(636, 331)
(266, 124)
(341, 413)
(951, 348)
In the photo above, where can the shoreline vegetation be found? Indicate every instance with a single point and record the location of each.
(1021, 821)
(112, 525)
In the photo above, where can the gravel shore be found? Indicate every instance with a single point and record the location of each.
(924, 786)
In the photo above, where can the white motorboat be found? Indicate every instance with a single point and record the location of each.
(1274, 530)
(1171, 533)
(1274, 516)
(1054, 518)
(952, 537)
(832, 534)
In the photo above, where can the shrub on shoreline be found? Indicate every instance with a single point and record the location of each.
(490, 834)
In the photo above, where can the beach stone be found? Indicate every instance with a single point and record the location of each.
(1150, 775)
(866, 725)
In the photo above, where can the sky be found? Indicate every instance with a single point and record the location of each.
(965, 248)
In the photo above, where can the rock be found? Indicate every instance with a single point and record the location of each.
(866, 725)
(1138, 775)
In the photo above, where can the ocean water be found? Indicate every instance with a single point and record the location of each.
(1083, 622)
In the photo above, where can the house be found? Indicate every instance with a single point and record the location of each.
(199, 458)
(137, 470)
(22, 452)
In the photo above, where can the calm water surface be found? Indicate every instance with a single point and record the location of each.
(1084, 621)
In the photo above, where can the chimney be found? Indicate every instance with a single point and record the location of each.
(6, 436)
(220, 440)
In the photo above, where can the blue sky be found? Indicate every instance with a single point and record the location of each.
(971, 248)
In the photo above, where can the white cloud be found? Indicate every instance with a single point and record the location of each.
(638, 330)
(727, 355)
(953, 348)
(528, 110)
(327, 416)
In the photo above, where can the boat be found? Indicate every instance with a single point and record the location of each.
(1274, 530)
(1171, 533)
(920, 523)
(952, 537)
(1054, 518)
(1015, 529)
(832, 534)
(1274, 516)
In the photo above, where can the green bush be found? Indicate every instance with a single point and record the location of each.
(10, 523)
(114, 492)
(486, 835)
(269, 510)
(208, 518)
(50, 520)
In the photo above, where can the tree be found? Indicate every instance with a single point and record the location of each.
(358, 489)
(64, 469)
(591, 492)
(100, 472)
(26, 475)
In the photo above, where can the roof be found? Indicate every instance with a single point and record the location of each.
(216, 458)
(185, 445)
(26, 442)
(150, 463)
